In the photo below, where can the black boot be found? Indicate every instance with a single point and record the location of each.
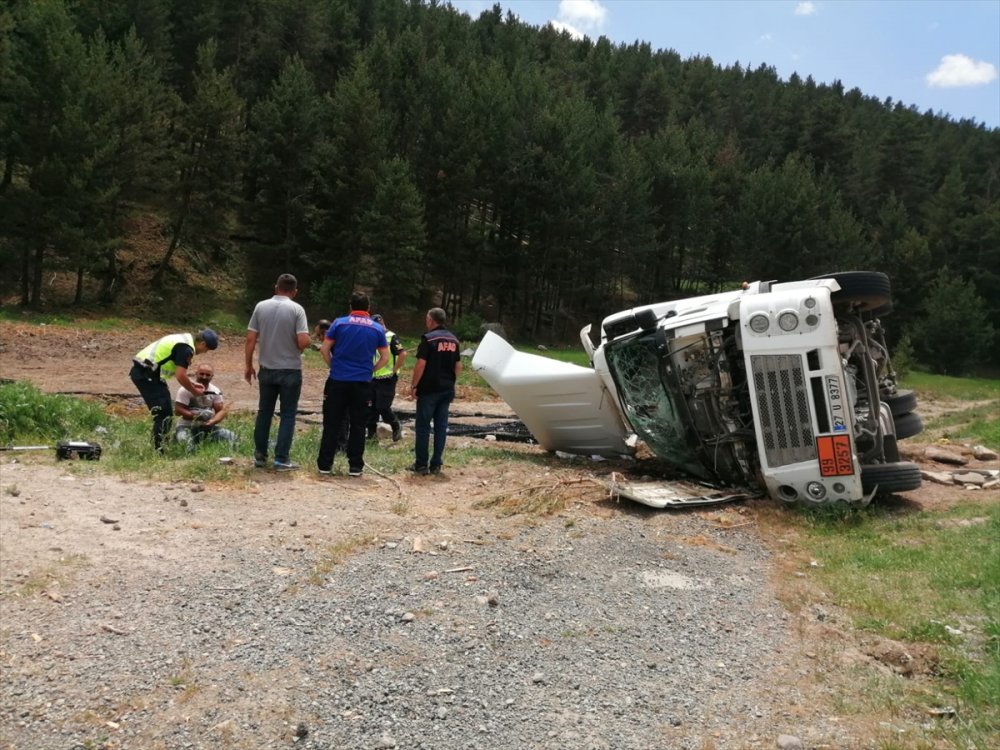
(397, 432)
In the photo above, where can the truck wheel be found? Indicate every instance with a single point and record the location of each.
(902, 402)
(889, 478)
(908, 425)
(870, 290)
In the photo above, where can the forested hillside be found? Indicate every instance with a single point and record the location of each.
(521, 174)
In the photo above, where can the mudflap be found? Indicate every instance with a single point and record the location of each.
(671, 494)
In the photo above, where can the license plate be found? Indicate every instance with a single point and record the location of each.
(834, 455)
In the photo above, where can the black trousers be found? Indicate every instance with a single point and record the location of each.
(383, 393)
(344, 399)
(156, 394)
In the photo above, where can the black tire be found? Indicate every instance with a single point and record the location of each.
(902, 402)
(908, 425)
(869, 290)
(889, 478)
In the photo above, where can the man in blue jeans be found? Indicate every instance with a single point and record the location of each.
(279, 326)
(438, 366)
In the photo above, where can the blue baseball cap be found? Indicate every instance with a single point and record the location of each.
(210, 337)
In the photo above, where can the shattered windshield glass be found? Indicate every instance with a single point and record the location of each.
(651, 410)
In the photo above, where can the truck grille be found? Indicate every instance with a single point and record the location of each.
(783, 403)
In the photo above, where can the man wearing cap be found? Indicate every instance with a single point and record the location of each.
(354, 347)
(279, 326)
(384, 386)
(168, 357)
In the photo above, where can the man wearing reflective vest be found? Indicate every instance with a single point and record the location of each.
(168, 357)
(384, 386)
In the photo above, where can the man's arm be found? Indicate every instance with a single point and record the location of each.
(221, 410)
(399, 361)
(383, 358)
(302, 338)
(182, 406)
(326, 349)
(248, 372)
(418, 372)
(184, 380)
(458, 368)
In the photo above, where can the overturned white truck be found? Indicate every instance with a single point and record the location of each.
(779, 387)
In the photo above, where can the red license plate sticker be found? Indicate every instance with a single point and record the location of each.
(834, 455)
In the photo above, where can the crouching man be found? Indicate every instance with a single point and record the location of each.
(200, 414)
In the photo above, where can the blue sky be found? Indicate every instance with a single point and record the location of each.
(942, 56)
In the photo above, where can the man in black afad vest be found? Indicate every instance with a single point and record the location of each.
(438, 366)
(384, 387)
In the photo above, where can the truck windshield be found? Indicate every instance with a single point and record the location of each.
(655, 414)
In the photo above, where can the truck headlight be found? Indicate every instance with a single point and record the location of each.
(759, 323)
(788, 321)
(816, 490)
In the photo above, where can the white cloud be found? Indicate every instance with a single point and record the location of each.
(571, 30)
(806, 8)
(961, 70)
(589, 14)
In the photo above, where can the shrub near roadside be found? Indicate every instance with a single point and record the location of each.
(28, 415)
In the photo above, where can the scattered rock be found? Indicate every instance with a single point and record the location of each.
(943, 456)
(301, 731)
(789, 742)
(105, 519)
(384, 742)
(941, 477)
(418, 544)
(969, 477)
(408, 617)
(982, 453)
(198, 488)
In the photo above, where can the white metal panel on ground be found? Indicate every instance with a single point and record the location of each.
(565, 406)
(670, 494)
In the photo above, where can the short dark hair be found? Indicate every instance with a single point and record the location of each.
(323, 325)
(438, 315)
(359, 301)
(286, 283)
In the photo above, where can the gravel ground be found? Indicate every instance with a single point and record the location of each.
(237, 619)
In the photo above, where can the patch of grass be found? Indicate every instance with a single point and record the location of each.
(962, 389)
(28, 416)
(538, 499)
(335, 554)
(977, 425)
(921, 579)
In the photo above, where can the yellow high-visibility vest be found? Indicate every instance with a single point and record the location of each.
(157, 355)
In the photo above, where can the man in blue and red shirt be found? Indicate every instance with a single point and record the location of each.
(349, 348)
(439, 364)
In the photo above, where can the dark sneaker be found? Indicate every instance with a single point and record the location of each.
(355, 471)
(417, 469)
(326, 472)
(397, 433)
(436, 469)
(260, 463)
(285, 466)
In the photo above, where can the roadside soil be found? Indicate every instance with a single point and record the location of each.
(69, 531)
